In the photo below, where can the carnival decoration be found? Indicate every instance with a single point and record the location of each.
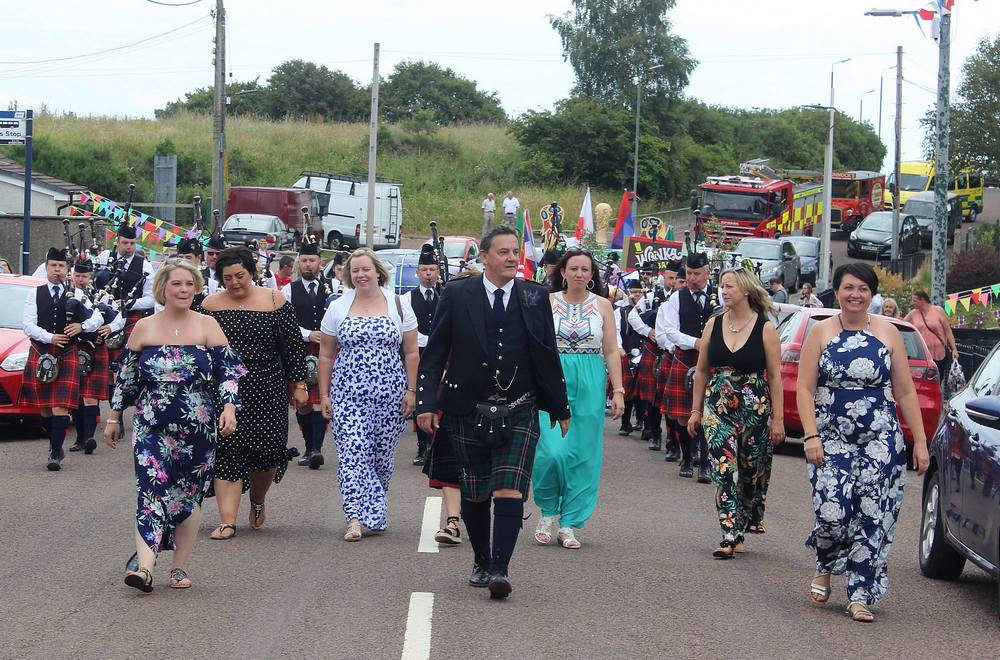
(642, 249)
(602, 219)
(552, 217)
(964, 300)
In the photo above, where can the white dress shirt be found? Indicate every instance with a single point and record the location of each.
(30, 319)
(672, 325)
(286, 291)
(491, 287)
(662, 340)
(146, 300)
(511, 205)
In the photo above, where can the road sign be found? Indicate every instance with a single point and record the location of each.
(12, 127)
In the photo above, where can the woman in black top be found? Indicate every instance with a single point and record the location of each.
(739, 374)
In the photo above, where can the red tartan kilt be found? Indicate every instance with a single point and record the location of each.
(676, 398)
(627, 378)
(662, 375)
(644, 383)
(63, 392)
(314, 393)
(95, 384)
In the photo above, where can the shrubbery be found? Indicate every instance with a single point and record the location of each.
(973, 269)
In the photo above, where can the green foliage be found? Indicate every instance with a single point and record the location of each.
(246, 98)
(421, 87)
(613, 43)
(973, 269)
(302, 89)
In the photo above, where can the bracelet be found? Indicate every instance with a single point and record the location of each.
(111, 421)
(410, 389)
(810, 437)
(618, 390)
(696, 412)
(302, 386)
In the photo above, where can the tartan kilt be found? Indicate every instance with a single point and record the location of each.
(644, 381)
(677, 400)
(662, 376)
(63, 392)
(130, 320)
(97, 383)
(483, 469)
(627, 378)
(440, 465)
(314, 394)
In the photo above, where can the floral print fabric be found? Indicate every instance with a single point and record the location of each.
(737, 415)
(858, 490)
(178, 392)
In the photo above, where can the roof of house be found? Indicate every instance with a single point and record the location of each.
(9, 166)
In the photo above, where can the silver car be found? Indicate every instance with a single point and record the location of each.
(776, 257)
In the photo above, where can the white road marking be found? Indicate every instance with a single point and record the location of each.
(417, 640)
(430, 525)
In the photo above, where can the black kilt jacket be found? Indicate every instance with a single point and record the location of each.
(458, 341)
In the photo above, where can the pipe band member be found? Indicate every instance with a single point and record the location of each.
(135, 281)
(423, 301)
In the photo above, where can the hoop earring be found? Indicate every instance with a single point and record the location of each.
(565, 285)
(590, 285)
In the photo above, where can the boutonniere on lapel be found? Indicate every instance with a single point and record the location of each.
(529, 296)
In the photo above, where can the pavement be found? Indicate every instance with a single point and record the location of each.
(643, 585)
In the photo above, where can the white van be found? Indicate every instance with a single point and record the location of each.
(343, 204)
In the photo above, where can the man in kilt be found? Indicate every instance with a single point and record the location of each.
(629, 346)
(685, 316)
(642, 317)
(95, 381)
(133, 284)
(308, 296)
(53, 319)
(673, 452)
(423, 301)
(496, 335)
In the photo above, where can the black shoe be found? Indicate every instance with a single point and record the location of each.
(673, 454)
(304, 460)
(53, 463)
(89, 446)
(77, 446)
(655, 443)
(420, 459)
(703, 475)
(686, 470)
(315, 460)
(625, 430)
(637, 426)
(499, 586)
(480, 576)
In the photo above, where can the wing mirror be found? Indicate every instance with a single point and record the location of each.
(985, 410)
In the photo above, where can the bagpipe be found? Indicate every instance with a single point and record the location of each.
(439, 256)
(325, 290)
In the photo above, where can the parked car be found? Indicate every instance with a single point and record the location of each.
(460, 250)
(241, 227)
(961, 512)
(14, 346)
(775, 256)
(873, 237)
(922, 206)
(792, 333)
(807, 247)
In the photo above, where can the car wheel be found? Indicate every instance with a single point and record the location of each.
(938, 560)
(334, 241)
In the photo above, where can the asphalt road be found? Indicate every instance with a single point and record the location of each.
(644, 584)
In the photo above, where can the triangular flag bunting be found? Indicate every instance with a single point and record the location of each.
(965, 302)
(975, 297)
(949, 307)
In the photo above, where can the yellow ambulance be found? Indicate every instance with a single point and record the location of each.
(918, 176)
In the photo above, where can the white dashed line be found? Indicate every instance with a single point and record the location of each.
(417, 641)
(429, 527)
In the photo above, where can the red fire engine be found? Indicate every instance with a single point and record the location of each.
(760, 201)
(855, 194)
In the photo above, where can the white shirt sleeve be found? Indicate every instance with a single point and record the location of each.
(30, 321)
(119, 321)
(406, 302)
(286, 291)
(146, 301)
(96, 320)
(672, 326)
(661, 329)
(409, 320)
(637, 324)
(618, 327)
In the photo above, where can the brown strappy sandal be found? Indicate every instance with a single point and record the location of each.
(450, 533)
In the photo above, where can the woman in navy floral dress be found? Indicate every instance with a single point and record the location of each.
(181, 376)
(853, 373)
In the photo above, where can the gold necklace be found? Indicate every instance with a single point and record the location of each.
(738, 330)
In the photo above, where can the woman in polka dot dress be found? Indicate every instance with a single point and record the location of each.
(263, 330)
(371, 392)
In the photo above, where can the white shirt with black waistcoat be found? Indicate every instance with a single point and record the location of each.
(30, 320)
(672, 321)
(406, 299)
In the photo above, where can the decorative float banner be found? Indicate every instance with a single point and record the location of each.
(152, 234)
(640, 249)
(965, 299)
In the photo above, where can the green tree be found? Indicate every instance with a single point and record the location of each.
(424, 86)
(302, 89)
(245, 98)
(613, 43)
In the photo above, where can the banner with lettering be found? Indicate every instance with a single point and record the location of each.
(640, 249)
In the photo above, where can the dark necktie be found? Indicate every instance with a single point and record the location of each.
(699, 297)
(498, 303)
(312, 290)
(56, 292)
(429, 296)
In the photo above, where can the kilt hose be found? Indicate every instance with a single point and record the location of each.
(676, 396)
(64, 391)
(96, 384)
(483, 469)
(644, 382)
(314, 396)
(440, 465)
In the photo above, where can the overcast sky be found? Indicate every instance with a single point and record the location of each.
(769, 53)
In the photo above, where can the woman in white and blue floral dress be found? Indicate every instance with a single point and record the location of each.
(852, 373)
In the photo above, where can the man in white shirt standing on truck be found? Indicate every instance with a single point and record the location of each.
(511, 205)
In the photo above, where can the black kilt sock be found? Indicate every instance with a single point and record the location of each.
(89, 415)
(305, 424)
(508, 514)
(627, 413)
(652, 427)
(47, 425)
(685, 441)
(318, 433)
(476, 516)
(80, 422)
(57, 435)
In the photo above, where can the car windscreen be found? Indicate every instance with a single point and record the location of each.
(878, 222)
(760, 250)
(919, 208)
(806, 247)
(913, 182)
(260, 224)
(911, 340)
(12, 305)
(734, 205)
(454, 250)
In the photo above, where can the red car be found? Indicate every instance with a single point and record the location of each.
(792, 332)
(459, 250)
(14, 345)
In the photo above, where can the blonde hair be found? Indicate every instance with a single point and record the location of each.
(163, 274)
(886, 302)
(383, 272)
(758, 299)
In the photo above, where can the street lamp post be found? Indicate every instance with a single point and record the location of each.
(635, 161)
(824, 263)
(861, 104)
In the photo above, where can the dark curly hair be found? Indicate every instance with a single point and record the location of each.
(595, 285)
(235, 256)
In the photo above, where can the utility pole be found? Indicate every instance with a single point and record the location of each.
(898, 154)
(219, 115)
(372, 155)
(824, 242)
(940, 231)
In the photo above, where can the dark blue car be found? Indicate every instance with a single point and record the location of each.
(961, 513)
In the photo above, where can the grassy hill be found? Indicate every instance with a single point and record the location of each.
(445, 174)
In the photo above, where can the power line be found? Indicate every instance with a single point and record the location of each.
(173, 4)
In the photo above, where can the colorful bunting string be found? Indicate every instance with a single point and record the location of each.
(966, 299)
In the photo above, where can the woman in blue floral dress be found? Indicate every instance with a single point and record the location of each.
(853, 373)
(181, 376)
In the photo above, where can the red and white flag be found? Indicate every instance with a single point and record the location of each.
(585, 223)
